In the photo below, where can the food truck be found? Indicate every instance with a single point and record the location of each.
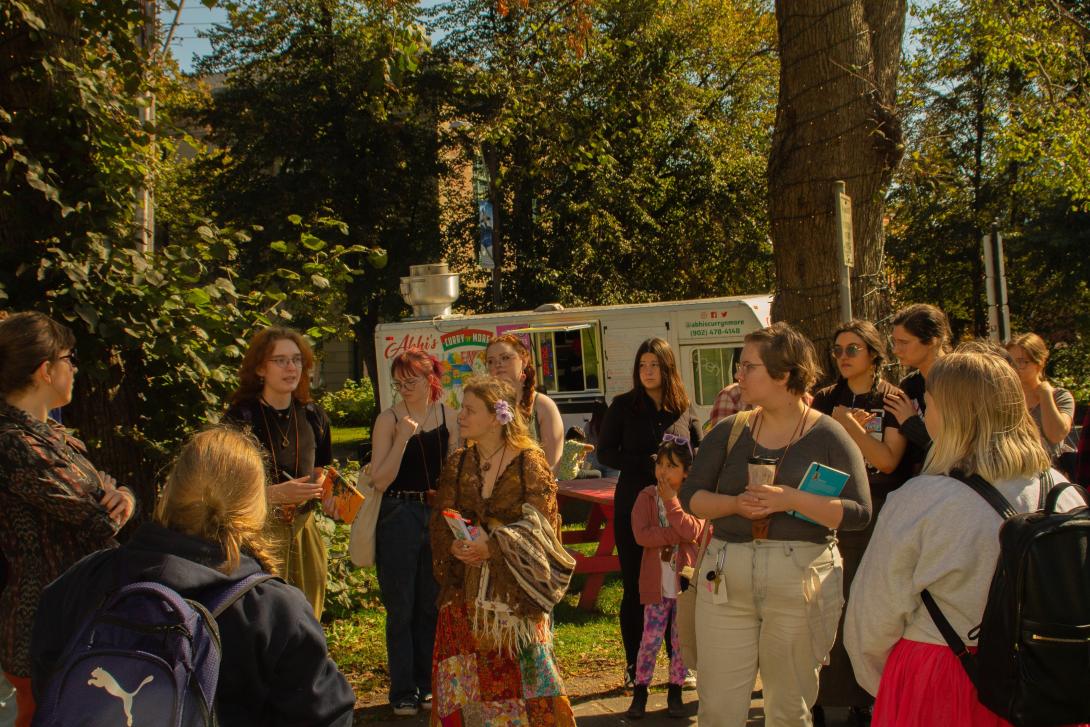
(584, 356)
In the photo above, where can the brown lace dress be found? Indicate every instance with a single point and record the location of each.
(474, 683)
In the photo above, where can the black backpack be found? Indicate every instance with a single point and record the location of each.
(1032, 665)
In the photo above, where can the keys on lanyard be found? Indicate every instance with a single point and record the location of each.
(716, 579)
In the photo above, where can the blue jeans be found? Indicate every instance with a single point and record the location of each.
(409, 593)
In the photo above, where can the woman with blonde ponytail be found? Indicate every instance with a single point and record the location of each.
(207, 533)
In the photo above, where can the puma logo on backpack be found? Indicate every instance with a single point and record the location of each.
(104, 679)
(145, 640)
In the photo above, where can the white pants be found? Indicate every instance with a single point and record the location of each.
(783, 604)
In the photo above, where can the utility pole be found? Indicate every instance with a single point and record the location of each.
(995, 285)
(145, 201)
(845, 248)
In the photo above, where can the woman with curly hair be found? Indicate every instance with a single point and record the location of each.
(273, 401)
(493, 661)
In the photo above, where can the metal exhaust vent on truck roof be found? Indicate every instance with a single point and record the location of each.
(430, 289)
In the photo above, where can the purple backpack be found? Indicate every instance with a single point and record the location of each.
(147, 656)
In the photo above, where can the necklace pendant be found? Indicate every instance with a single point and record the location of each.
(486, 466)
(284, 442)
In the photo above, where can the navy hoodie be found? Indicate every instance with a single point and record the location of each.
(275, 669)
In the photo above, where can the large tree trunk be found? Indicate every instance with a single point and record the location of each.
(836, 120)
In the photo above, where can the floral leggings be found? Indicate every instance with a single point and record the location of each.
(656, 617)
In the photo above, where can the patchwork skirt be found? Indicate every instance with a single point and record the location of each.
(485, 687)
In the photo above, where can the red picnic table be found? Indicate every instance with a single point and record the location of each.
(599, 529)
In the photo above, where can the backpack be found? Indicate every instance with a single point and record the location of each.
(1032, 665)
(146, 657)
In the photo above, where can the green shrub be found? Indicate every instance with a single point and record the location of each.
(351, 406)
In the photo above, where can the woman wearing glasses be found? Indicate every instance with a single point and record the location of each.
(273, 400)
(509, 359)
(771, 593)
(410, 443)
(632, 431)
(1051, 407)
(856, 401)
(57, 507)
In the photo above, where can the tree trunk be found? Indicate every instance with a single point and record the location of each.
(836, 120)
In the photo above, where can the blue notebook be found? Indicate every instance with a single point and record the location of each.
(821, 480)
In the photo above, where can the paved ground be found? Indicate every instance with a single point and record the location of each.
(599, 710)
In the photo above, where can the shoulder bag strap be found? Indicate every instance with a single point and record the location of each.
(736, 429)
(223, 600)
(986, 490)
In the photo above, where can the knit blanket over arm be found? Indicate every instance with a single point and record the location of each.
(512, 595)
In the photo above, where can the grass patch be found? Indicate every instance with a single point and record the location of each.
(349, 435)
(586, 642)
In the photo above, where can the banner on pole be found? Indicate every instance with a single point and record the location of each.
(484, 221)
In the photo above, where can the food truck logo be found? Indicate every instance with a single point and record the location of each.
(428, 342)
(466, 337)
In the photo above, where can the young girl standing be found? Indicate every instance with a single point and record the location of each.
(668, 536)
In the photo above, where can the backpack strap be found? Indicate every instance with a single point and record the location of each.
(953, 640)
(986, 490)
(223, 599)
(1006, 511)
(1046, 485)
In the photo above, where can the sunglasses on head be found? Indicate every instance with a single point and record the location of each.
(680, 441)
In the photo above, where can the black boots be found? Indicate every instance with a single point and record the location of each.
(674, 706)
(638, 708)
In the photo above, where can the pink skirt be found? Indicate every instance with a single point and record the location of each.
(924, 685)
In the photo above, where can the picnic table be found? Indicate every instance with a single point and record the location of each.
(598, 492)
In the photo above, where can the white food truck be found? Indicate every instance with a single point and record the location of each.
(583, 356)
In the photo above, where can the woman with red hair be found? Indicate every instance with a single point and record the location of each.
(273, 400)
(409, 444)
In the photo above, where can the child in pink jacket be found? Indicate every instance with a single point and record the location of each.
(668, 536)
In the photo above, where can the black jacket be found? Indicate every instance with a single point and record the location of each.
(275, 669)
(631, 434)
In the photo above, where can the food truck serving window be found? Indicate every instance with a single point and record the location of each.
(567, 357)
(713, 368)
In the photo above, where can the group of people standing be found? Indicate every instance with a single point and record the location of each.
(777, 563)
(468, 628)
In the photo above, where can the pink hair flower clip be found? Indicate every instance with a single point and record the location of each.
(504, 415)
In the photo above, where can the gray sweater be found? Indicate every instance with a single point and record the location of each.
(935, 533)
(825, 442)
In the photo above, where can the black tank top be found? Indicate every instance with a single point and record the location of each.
(424, 455)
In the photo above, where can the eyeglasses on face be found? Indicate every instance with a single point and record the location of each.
(501, 360)
(851, 350)
(745, 368)
(285, 361)
(70, 357)
(1020, 363)
(402, 384)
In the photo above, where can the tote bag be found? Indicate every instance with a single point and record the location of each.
(361, 540)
